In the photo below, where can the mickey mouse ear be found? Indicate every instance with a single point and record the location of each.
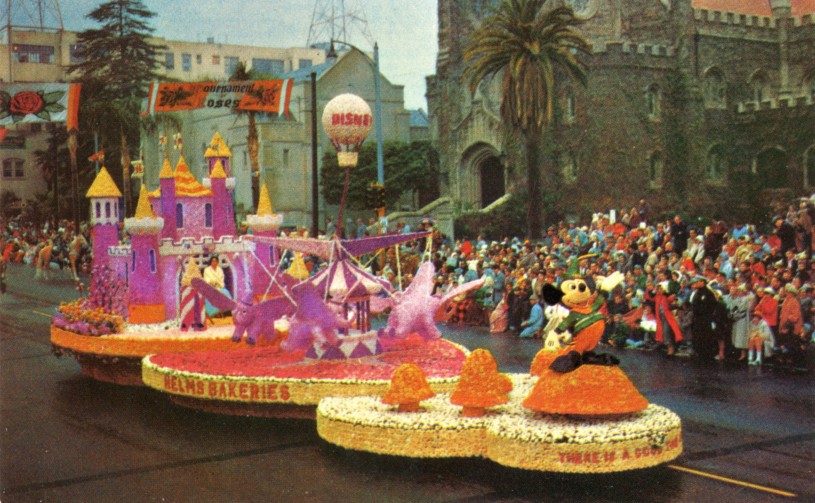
(551, 294)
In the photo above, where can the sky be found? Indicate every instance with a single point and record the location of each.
(406, 30)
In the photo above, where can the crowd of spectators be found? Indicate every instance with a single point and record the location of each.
(53, 248)
(717, 291)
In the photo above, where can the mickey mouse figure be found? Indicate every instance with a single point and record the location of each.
(585, 321)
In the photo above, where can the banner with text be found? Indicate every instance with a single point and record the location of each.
(39, 102)
(270, 96)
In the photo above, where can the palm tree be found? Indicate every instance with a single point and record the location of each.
(527, 42)
(252, 139)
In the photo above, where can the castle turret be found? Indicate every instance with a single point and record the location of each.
(104, 196)
(781, 8)
(168, 203)
(218, 151)
(223, 212)
(146, 301)
(264, 224)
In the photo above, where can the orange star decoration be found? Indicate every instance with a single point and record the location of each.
(480, 385)
(408, 388)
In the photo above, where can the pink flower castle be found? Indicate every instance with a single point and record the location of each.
(182, 220)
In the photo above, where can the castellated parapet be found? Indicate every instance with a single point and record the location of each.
(775, 104)
(190, 246)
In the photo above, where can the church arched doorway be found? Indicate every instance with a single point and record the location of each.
(481, 176)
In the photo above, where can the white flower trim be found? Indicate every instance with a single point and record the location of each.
(144, 225)
(264, 222)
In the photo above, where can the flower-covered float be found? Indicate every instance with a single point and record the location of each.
(508, 419)
(140, 299)
(328, 346)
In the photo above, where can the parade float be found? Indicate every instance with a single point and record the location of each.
(501, 418)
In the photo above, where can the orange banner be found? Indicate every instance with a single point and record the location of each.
(270, 96)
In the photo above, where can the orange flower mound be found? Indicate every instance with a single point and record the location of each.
(480, 384)
(408, 386)
(590, 390)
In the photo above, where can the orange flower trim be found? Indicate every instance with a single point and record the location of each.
(480, 384)
(408, 387)
(77, 317)
(136, 348)
(542, 360)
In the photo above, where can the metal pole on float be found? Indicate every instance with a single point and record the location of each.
(315, 201)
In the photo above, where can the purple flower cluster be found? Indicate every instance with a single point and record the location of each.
(108, 291)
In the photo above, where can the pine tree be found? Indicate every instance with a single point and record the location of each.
(116, 62)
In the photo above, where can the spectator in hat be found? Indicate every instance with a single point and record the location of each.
(703, 305)
(761, 340)
(535, 321)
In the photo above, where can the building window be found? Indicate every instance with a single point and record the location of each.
(809, 90)
(268, 66)
(24, 53)
(13, 168)
(304, 63)
(716, 164)
(230, 63)
(169, 60)
(208, 215)
(216, 59)
(715, 89)
(760, 87)
(179, 216)
(272, 256)
(107, 210)
(198, 59)
(186, 62)
(98, 207)
(133, 260)
(285, 158)
(571, 108)
(152, 255)
(656, 164)
(569, 168)
(74, 51)
(652, 100)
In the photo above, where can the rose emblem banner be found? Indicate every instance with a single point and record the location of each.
(271, 96)
(44, 102)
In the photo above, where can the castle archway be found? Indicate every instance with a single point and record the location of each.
(481, 176)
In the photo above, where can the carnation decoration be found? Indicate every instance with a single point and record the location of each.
(408, 388)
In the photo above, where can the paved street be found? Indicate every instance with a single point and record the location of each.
(68, 438)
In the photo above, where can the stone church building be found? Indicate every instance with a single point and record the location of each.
(701, 106)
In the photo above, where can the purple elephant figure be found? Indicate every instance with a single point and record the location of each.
(252, 319)
(314, 322)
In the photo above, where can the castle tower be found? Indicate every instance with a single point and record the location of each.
(223, 213)
(146, 305)
(104, 196)
(168, 200)
(218, 151)
(264, 224)
(781, 8)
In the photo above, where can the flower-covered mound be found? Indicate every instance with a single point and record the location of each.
(266, 375)
(509, 434)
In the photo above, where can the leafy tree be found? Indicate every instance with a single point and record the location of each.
(525, 42)
(54, 164)
(117, 61)
(410, 168)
